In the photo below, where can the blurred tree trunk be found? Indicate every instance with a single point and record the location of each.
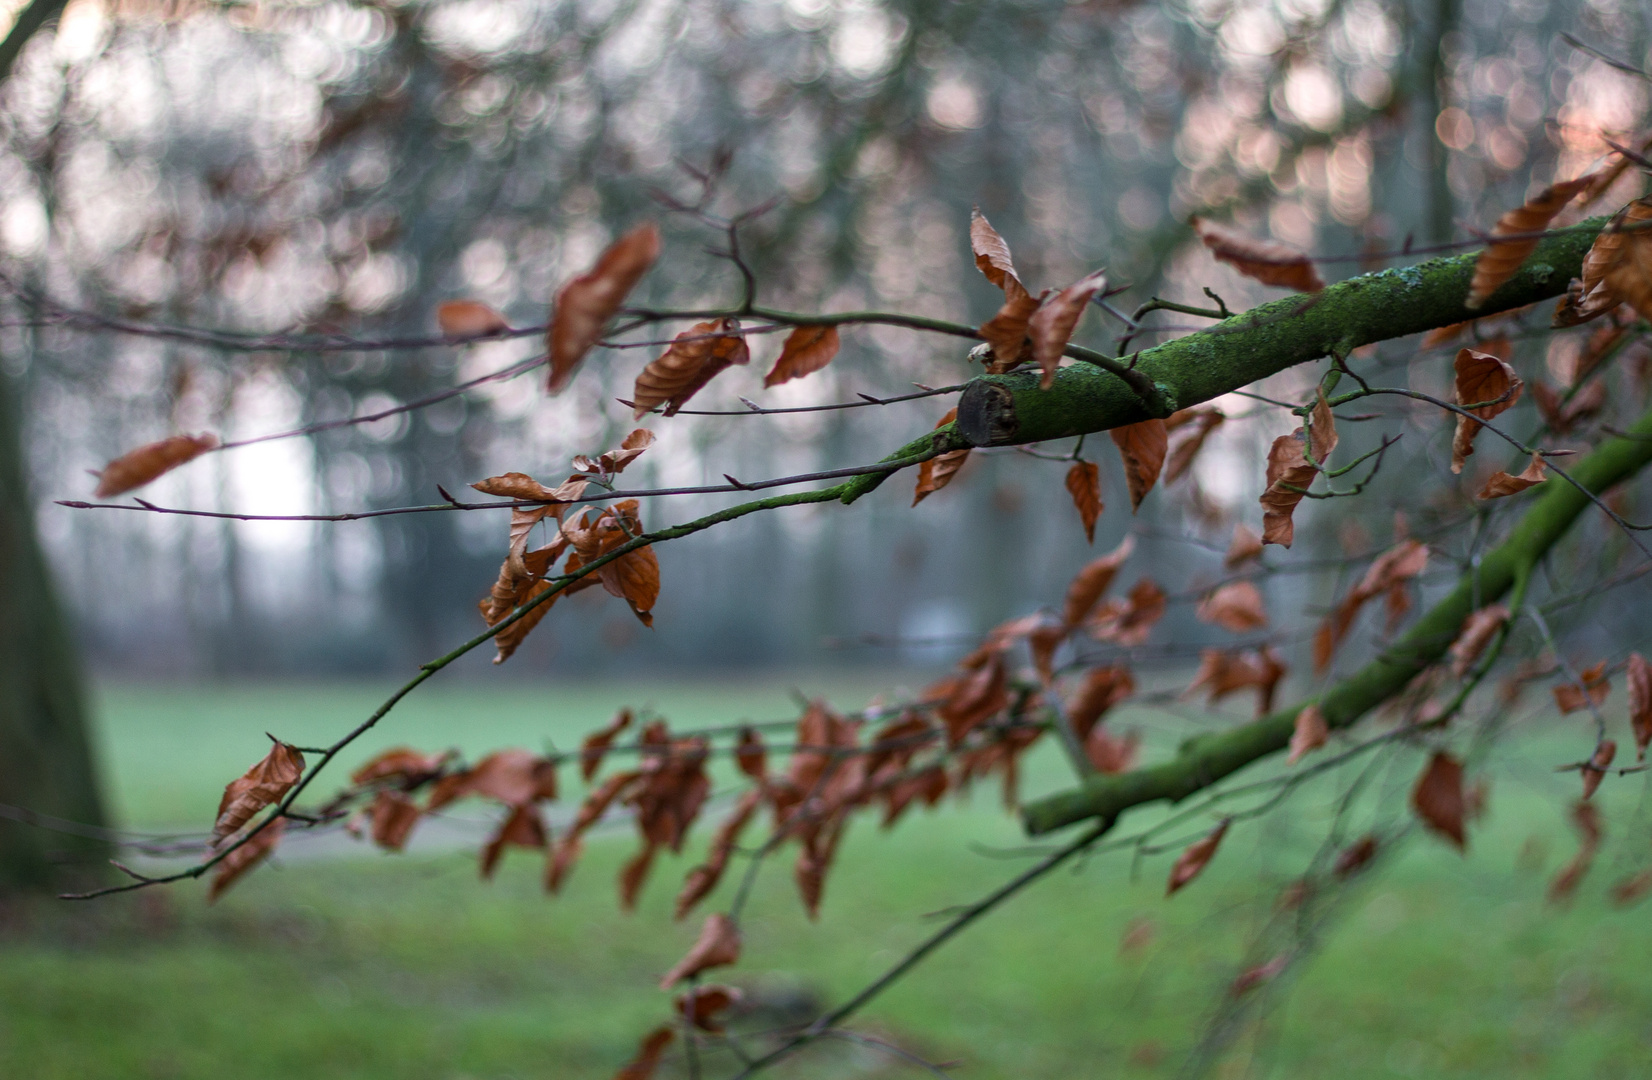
(45, 754)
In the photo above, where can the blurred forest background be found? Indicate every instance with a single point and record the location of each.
(346, 166)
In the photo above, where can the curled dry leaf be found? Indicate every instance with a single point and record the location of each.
(1236, 606)
(1389, 573)
(138, 467)
(1084, 485)
(1640, 703)
(393, 816)
(1110, 754)
(1594, 770)
(750, 756)
(718, 946)
(522, 827)
(1051, 326)
(703, 878)
(514, 777)
(1485, 387)
(937, 472)
(630, 449)
(242, 859)
(1501, 484)
(1501, 259)
(1245, 546)
(1632, 888)
(1310, 733)
(584, 305)
(469, 318)
(634, 874)
(1570, 697)
(648, 1056)
(1477, 632)
(1091, 582)
(1268, 262)
(1006, 332)
(1289, 475)
(1586, 818)
(1129, 624)
(1356, 856)
(806, 351)
(1222, 673)
(596, 744)
(992, 254)
(401, 764)
(1629, 275)
(1438, 798)
(1196, 857)
(1190, 428)
(695, 357)
(1143, 447)
(1102, 689)
(262, 785)
(701, 1005)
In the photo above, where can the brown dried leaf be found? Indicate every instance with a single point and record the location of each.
(138, 467)
(1594, 771)
(1562, 414)
(393, 815)
(1236, 606)
(1287, 468)
(992, 255)
(806, 351)
(1110, 754)
(1143, 447)
(937, 472)
(1438, 798)
(1570, 697)
(634, 874)
(1388, 573)
(718, 946)
(262, 785)
(514, 777)
(630, 449)
(700, 1006)
(1310, 733)
(1356, 856)
(1640, 703)
(1084, 485)
(1102, 689)
(1191, 427)
(469, 318)
(1501, 484)
(1222, 673)
(1006, 331)
(584, 305)
(1489, 384)
(695, 357)
(596, 744)
(1051, 326)
(1195, 858)
(1268, 262)
(635, 578)
(1499, 261)
(1129, 624)
(522, 827)
(1632, 888)
(703, 878)
(244, 858)
(1477, 632)
(1629, 275)
(1586, 817)
(750, 756)
(1091, 582)
(402, 764)
(648, 1054)
(1246, 545)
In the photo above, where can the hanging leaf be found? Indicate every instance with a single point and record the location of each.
(584, 305)
(513, 777)
(1084, 485)
(1323, 430)
(401, 764)
(1586, 817)
(1091, 582)
(1245, 546)
(469, 318)
(703, 878)
(1632, 888)
(1477, 632)
(702, 1004)
(1501, 484)
(630, 449)
(1268, 262)
(1356, 856)
(1640, 703)
(1288, 470)
(262, 785)
(138, 467)
(1102, 689)
(1594, 770)
(1562, 414)
(1309, 735)
(695, 357)
(1130, 623)
(749, 755)
(1006, 332)
(1570, 697)
(596, 744)
(1222, 673)
(1190, 428)
(1142, 446)
(522, 827)
(1196, 857)
(1629, 275)
(1500, 260)
(718, 946)
(1389, 573)
(1438, 798)
(992, 255)
(648, 1056)
(937, 472)
(1051, 326)
(806, 351)
(242, 859)
(1236, 606)
(1489, 384)
(1255, 977)
(393, 815)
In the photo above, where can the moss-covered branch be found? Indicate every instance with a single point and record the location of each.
(1206, 759)
(1003, 409)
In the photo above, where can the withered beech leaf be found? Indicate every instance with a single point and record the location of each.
(1051, 326)
(1236, 606)
(265, 783)
(507, 640)
(1253, 978)
(393, 815)
(1632, 888)
(1571, 698)
(1499, 261)
(1006, 332)
(1246, 545)
(1084, 485)
(1222, 672)
(695, 357)
(1594, 770)
(1356, 856)
(1288, 469)
(515, 777)
(596, 744)
(1389, 573)
(1129, 624)
(400, 763)
(584, 305)
(138, 467)
(1489, 385)
(1111, 754)
(718, 946)
(649, 1052)
(1142, 446)
(1501, 484)
(630, 449)
(992, 255)
(704, 878)
(1478, 630)
(701, 1005)
(1586, 818)
(1268, 262)
(806, 351)
(1102, 689)
(1091, 582)
(1324, 430)
(634, 874)
(469, 318)
(937, 472)
(1640, 703)
(1309, 735)
(1190, 428)
(1196, 857)
(523, 828)
(1438, 798)
(749, 755)
(635, 578)
(245, 857)
(1629, 275)
(515, 485)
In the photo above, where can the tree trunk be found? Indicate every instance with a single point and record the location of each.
(46, 767)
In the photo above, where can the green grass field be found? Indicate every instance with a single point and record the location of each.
(408, 967)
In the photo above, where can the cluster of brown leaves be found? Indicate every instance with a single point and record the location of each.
(1227, 671)
(523, 577)
(1389, 576)
(1502, 259)
(1290, 472)
(1027, 327)
(1617, 269)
